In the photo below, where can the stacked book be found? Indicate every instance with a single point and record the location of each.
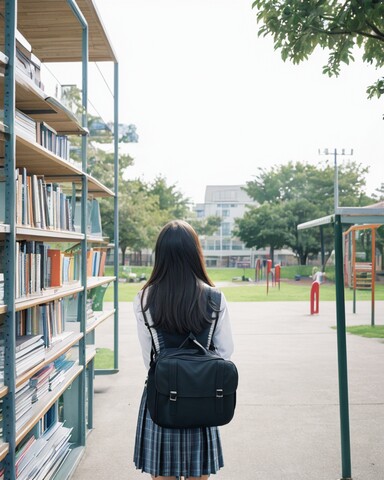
(90, 313)
(62, 365)
(40, 382)
(39, 267)
(41, 458)
(25, 125)
(26, 62)
(48, 138)
(42, 205)
(96, 258)
(23, 397)
(46, 320)
(30, 352)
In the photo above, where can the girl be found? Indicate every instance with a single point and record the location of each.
(176, 300)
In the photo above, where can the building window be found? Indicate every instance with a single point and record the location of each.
(226, 228)
(226, 245)
(210, 245)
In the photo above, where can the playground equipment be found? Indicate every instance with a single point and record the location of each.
(360, 275)
(259, 271)
(277, 275)
(315, 297)
(354, 216)
(267, 272)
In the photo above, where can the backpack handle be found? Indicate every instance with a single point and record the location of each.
(191, 338)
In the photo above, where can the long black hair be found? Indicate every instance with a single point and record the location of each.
(177, 288)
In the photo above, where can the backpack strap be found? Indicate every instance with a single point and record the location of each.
(153, 351)
(214, 302)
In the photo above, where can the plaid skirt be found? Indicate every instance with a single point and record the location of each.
(175, 452)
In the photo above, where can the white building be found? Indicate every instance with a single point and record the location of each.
(221, 249)
(227, 202)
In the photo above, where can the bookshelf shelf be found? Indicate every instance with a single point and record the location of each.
(3, 309)
(51, 354)
(93, 282)
(4, 228)
(4, 449)
(99, 319)
(43, 405)
(97, 189)
(3, 59)
(37, 105)
(38, 234)
(90, 353)
(97, 240)
(55, 34)
(48, 295)
(70, 464)
(39, 160)
(3, 129)
(3, 391)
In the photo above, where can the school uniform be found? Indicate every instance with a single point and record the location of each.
(179, 452)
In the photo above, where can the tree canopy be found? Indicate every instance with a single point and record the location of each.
(299, 26)
(295, 193)
(144, 207)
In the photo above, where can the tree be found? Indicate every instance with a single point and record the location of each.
(266, 225)
(171, 202)
(305, 192)
(314, 182)
(299, 26)
(139, 218)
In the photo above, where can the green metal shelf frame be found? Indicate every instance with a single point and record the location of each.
(9, 407)
(344, 215)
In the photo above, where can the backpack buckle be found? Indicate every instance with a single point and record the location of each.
(219, 393)
(173, 396)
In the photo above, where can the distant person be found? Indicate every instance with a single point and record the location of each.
(175, 302)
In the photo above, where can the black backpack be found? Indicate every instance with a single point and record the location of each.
(191, 386)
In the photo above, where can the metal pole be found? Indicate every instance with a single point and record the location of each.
(84, 198)
(353, 259)
(322, 249)
(342, 353)
(336, 186)
(373, 273)
(9, 407)
(116, 214)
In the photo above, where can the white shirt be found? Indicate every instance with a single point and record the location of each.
(222, 337)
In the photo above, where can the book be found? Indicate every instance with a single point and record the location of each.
(55, 258)
(23, 343)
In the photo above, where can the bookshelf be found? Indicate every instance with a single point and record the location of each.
(51, 260)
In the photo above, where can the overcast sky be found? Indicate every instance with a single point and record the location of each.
(212, 102)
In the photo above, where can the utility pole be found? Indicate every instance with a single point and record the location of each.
(335, 153)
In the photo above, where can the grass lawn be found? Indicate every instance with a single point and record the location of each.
(227, 274)
(367, 331)
(289, 291)
(104, 359)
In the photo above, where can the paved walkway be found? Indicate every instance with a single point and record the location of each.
(286, 426)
